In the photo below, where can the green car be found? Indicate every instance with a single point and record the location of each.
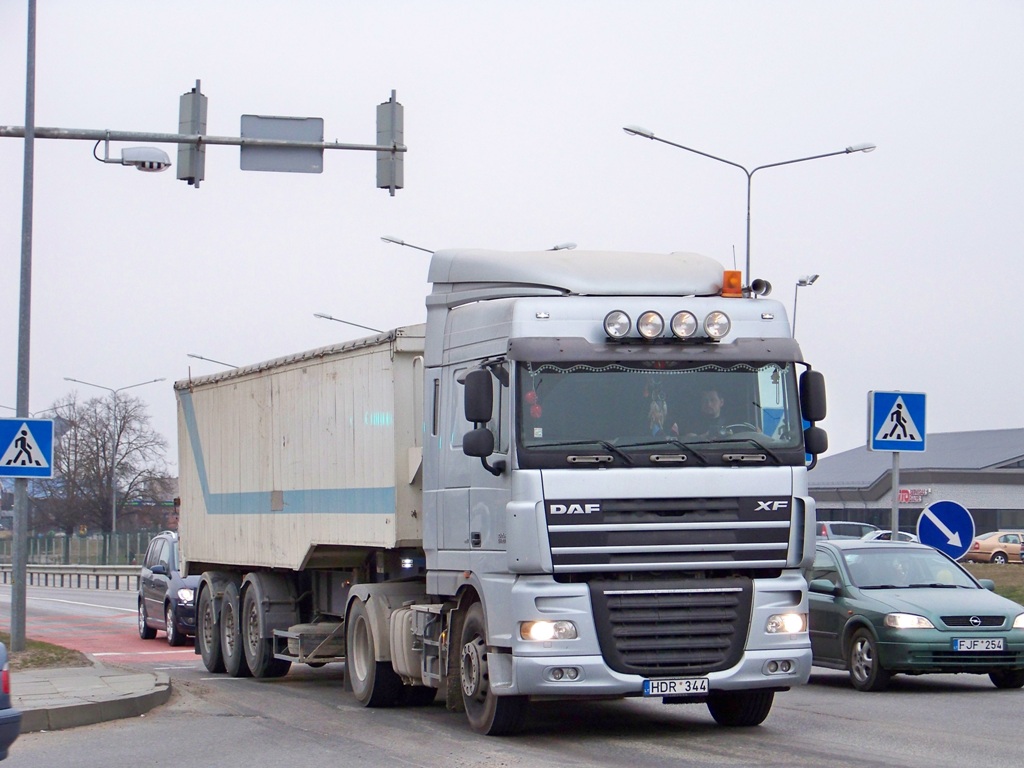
(879, 608)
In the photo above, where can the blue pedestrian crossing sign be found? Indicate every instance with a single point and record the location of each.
(26, 447)
(947, 526)
(896, 421)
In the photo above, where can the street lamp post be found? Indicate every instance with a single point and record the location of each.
(323, 316)
(113, 438)
(634, 130)
(803, 282)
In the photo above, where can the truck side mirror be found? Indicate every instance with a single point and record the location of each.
(478, 396)
(812, 396)
(478, 442)
(815, 441)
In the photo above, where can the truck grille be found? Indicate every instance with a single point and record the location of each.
(686, 627)
(673, 534)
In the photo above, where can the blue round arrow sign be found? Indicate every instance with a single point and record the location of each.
(947, 526)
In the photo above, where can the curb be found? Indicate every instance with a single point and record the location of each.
(103, 709)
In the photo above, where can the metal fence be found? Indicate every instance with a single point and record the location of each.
(114, 577)
(99, 549)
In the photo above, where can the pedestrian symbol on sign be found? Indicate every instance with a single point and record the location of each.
(899, 425)
(23, 452)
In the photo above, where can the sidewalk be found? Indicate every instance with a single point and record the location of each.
(52, 699)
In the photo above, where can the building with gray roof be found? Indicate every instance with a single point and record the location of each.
(983, 471)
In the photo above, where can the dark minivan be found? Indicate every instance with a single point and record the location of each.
(166, 598)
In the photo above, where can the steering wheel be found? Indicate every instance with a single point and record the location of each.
(742, 426)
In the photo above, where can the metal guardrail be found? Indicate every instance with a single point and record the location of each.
(114, 577)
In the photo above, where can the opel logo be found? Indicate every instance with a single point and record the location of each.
(975, 621)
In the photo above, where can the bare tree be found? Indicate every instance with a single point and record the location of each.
(96, 449)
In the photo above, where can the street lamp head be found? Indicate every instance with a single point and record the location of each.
(563, 247)
(861, 148)
(149, 159)
(807, 280)
(636, 130)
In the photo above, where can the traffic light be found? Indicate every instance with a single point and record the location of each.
(192, 121)
(390, 132)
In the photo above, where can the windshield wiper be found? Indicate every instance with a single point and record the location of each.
(603, 443)
(670, 441)
(761, 447)
(883, 586)
(934, 585)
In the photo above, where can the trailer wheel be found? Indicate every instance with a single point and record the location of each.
(207, 634)
(259, 652)
(374, 683)
(488, 714)
(231, 634)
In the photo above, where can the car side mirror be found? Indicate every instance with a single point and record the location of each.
(159, 569)
(823, 587)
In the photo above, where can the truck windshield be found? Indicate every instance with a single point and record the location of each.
(703, 413)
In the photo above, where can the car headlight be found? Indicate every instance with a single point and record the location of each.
(547, 630)
(786, 623)
(907, 621)
(186, 595)
(1018, 623)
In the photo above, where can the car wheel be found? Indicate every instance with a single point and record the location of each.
(1007, 678)
(174, 637)
(866, 671)
(999, 558)
(146, 632)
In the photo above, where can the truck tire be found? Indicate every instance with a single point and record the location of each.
(374, 683)
(259, 651)
(740, 709)
(208, 634)
(231, 633)
(487, 714)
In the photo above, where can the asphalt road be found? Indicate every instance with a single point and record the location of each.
(306, 718)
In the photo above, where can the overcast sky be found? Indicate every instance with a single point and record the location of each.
(513, 119)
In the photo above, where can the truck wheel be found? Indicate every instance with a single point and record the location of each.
(374, 683)
(231, 634)
(174, 637)
(207, 634)
(259, 652)
(487, 714)
(146, 632)
(740, 709)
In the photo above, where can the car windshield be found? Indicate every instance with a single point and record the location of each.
(894, 567)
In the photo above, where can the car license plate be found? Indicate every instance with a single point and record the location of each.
(680, 686)
(978, 644)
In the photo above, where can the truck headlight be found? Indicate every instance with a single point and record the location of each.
(547, 630)
(650, 325)
(717, 325)
(786, 623)
(617, 324)
(684, 324)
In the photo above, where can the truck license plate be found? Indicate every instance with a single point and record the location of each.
(978, 644)
(680, 686)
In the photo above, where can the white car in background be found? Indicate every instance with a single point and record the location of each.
(887, 536)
